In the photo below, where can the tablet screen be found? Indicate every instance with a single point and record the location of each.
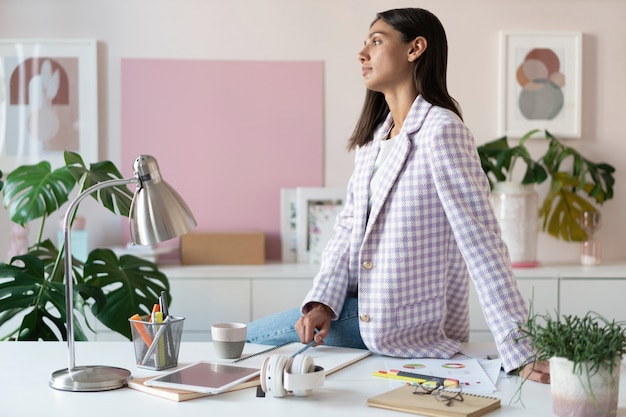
(206, 377)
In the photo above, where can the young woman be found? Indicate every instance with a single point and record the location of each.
(417, 224)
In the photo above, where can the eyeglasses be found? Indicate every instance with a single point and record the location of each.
(438, 391)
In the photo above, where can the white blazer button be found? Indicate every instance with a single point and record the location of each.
(368, 265)
(364, 317)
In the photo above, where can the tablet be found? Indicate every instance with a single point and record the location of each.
(207, 377)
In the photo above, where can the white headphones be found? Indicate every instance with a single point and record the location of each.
(281, 375)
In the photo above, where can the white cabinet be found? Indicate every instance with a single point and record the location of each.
(206, 301)
(542, 291)
(216, 293)
(604, 296)
(209, 294)
(566, 289)
(274, 295)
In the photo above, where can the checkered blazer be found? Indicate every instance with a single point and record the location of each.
(430, 228)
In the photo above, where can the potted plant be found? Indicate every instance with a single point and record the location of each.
(585, 355)
(577, 184)
(31, 285)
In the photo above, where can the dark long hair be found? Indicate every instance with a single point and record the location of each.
(429, 70)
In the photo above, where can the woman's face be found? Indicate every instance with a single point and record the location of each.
(385, 59)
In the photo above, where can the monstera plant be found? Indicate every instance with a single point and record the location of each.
(32, 285)
(576, 183)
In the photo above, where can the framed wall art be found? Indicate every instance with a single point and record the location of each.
(48, 101)
(540, 83)
(316, 211)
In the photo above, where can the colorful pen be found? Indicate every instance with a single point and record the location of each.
(143, 332)
(419, 378)
(159, 355)
(157, 338)
(308, 345)
(163, 304)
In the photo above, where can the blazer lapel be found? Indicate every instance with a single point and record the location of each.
(396, 161)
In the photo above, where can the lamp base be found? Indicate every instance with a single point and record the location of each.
(89, 378)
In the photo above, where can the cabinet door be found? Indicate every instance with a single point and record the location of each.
(201, 302)
(604, 296)
(274, 295)
(542, 292)
(206, 301)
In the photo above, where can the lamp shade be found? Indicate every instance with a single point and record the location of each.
(159, 213)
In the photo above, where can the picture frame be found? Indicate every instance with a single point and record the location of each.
(316, 210)
(540, 83)
(48, 101)
(288, 236)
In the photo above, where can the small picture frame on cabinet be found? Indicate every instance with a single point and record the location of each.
(316, 211)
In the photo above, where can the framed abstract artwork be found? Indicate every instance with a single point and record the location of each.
(48, 101)
(316, 211)
(540, 83)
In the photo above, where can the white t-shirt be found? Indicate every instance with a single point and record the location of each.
(385, 149)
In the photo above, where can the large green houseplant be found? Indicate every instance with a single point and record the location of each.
(585, 355)
(31, 285)
(576, 183)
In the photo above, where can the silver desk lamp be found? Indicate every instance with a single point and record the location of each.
(159, 214)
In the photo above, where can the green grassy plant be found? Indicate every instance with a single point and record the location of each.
(590, 340)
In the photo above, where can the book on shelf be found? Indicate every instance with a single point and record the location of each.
(404, 399)
(331, 358)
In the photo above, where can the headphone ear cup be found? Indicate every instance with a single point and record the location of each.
(302, 364)
(272, 375)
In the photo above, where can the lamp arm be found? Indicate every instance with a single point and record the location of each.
(69, 282)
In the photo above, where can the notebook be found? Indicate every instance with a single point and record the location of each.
(331, 358)
(403, 399)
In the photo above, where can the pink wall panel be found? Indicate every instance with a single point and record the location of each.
(228, 135)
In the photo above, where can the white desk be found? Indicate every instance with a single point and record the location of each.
(25, 369)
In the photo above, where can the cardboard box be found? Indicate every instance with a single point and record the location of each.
(223, 248)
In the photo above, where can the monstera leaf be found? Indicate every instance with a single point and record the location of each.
(35, 191)
(562, 208)
(114, 289)
(498, 161)
(32, 291)
(563, 205)
(110, 197)
(131, 285)
(26, 291)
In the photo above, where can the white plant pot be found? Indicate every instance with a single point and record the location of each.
(517, 209)
(581, 394)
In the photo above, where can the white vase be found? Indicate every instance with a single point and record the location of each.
(517, 210)
(581, 394)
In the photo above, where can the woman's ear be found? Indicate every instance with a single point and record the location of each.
(418, 46)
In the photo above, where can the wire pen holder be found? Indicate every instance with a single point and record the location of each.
(156, 343)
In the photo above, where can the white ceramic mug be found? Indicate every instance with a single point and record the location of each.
(229, 339)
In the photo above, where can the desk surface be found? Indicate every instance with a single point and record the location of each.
(25, 369)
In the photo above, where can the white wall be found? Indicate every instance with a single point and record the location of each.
(333, 31)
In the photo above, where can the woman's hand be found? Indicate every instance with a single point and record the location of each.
(318, 317)
(536, 371)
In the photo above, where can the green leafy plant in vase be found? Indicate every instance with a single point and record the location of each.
(576, 185)
(585, 356)
(112, 288)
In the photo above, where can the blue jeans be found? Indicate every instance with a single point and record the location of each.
(278, 328)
